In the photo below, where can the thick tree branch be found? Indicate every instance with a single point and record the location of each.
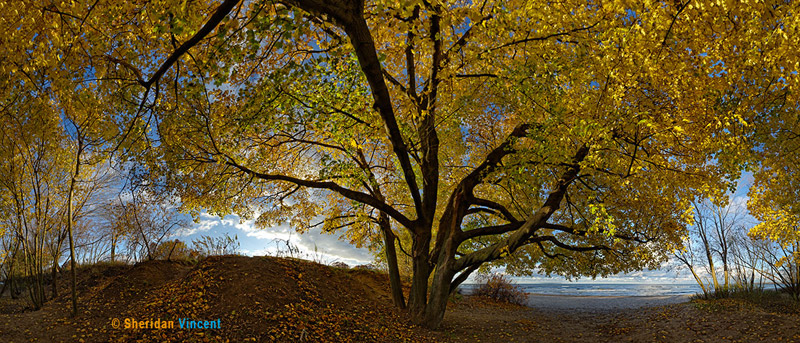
(462, 277)
(349, 15)
(681, 7)
(410, 66)
(546, 37)
(459, 200)
(495, 206)
(494, 157)
(332, 186)
(562, 245)
(428, 137)
(491, 230)
(522, 235)
(462, 41)
(583, 233)
(222, 11)
(475, 210)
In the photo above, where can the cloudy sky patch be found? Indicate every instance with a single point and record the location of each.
(312, 245)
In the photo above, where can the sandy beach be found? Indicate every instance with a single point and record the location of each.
(600, 303)
(620, 319)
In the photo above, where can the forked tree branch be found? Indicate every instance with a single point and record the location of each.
(524, 234)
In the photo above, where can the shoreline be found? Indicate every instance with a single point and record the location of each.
(595, 303)
(606, 296)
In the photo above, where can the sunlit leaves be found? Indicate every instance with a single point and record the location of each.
(666, 96)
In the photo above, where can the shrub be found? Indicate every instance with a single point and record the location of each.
(500, 288)
(216, 246)
(372, 266)
(768, 300)
(171, 250)
(339, 264)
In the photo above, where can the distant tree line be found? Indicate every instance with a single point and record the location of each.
(110, 225)
(724, 254)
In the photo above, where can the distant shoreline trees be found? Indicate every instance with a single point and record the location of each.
(726, 254)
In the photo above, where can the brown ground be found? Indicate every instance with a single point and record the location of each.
(269, 299)
(700, 321)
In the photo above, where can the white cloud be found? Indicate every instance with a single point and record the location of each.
(205, 223)
(270, 241)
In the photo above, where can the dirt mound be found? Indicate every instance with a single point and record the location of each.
(266, 299)
(138, 280)
(263, 299)
(273, 299)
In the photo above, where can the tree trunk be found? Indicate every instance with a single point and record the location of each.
(73, 282)
(418, 296)
(55, 277)
(146, 244)
(699, 281)
(726, 275)
(32, 278)
(796, 277)
(113, 246)
(174, 244)
(440, 293)
(440, 287)
(40, 279)
(447, 244)
(711, 268)
(5, 286)
(9, 281)
(391, 260)
(12, 286)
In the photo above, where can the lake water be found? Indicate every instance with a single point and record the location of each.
(601, 289)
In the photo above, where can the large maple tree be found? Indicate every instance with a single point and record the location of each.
(563, 137)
